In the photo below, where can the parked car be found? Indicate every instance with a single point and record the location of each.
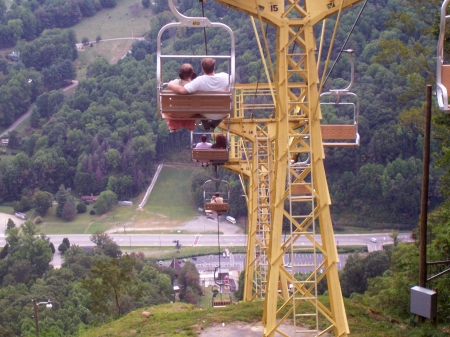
(231, 219)
(373, 240)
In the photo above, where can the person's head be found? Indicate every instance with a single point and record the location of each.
(186, 72)
(217, 195)
(208, 65)
(203, 138)
(221, 141)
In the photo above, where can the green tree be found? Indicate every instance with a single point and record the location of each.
(10, 224)
(100, 238)
(189, 277)
(239, 293)
(62, 248)
(61, 198)
(68, 211)
(111, 280)
(42, 201)
(26, 246)
(85, 40)
(66, 242)
(352, 276)
(16, 27)
(81, 207)
(98, 38)
(105, 201)
(145, 3)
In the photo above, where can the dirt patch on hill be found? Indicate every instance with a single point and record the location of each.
(250, 330)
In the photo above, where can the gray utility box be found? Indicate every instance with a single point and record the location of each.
(423, 302)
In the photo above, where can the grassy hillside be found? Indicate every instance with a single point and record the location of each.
(112, 51)
(185, 320)
(115, 22)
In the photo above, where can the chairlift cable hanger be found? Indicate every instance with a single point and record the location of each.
(346, 40)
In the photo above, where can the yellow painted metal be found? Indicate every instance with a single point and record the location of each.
(282, 129)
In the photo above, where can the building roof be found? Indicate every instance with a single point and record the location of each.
(89, 197)
(175, 265)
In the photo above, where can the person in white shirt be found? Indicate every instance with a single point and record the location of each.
(210, 81)
(203, 144)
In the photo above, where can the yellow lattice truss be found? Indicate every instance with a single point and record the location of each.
(277, 147)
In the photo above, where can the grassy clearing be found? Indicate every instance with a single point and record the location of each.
(54, 225)
(6, 157)
(115, 22)
(112, 51)
(6, 209)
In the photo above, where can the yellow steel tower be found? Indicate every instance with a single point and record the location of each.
(282, 158)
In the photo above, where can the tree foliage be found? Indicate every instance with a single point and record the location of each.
(42, 201)
(111, 278)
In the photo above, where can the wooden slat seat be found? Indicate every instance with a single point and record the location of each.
(341, 132)
(210, 102)
(300, 190)
(214, 207)
(210, 155)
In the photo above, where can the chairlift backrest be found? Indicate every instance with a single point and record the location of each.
(210, 155)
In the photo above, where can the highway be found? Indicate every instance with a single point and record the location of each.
(154, 240)
(198, 240)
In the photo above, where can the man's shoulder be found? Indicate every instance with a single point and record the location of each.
(221, 75)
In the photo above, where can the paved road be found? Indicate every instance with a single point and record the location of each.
(140, 240)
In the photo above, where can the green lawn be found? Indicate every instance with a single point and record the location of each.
(171, 195)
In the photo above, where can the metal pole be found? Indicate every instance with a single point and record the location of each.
(218, 241)
(424, 201)
(36, 322)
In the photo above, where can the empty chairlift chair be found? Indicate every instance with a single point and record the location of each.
(442, 70)
(345, 106)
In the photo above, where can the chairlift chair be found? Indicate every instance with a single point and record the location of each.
(212, 187)
(209, 156)
(213, 105)
(442, 70)
(342, 135)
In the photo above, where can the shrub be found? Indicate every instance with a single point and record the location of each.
(10, 224)
(37, 220)
(92, 212)
(62, 248)
(81, 207)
